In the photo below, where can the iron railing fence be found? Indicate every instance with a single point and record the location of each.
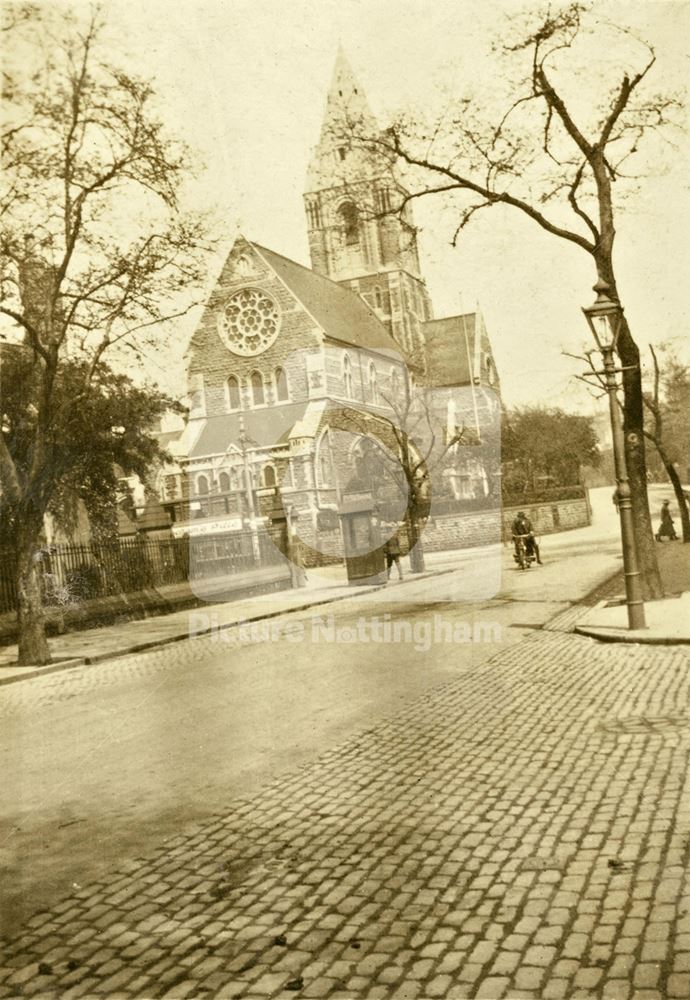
(79, 572)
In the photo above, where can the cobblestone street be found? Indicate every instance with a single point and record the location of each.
(520, 831)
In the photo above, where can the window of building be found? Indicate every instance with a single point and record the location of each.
(244, 266)
(324, 468)
(224, 482)
(342, 152)
(258, 394)
(281, 385)
(349, 218)
(347, 376)
(373, 383)
(202, 486)
(325, 460)
(395, 384)
(378, 298)
(233, 393)
(268, 477)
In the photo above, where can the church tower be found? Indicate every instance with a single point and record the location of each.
(357, 236)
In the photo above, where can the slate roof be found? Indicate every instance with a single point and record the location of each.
(450, 348)
(340, 312)
(263, 427)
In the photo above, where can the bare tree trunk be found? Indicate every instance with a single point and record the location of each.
(678, 490)
(633, 428)
(33, 644)
(417, 564)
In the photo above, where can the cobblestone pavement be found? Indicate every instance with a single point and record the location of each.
(522, 831)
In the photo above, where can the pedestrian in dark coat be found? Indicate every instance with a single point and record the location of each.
(666, 528)
(392, 552)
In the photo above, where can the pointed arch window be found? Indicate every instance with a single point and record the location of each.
(202, 486)
(224, 482)
(282, 393)
(258, 391)
(233, 393)
(378, 298)
(373, 382)
(347, 376)
(244, 266)
(349, 218)
(325, 460)
(268, 476)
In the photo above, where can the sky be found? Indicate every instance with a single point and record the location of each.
(245, 81)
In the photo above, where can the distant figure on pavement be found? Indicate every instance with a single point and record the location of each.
(392, 552)
(666, 528)
(295, 553)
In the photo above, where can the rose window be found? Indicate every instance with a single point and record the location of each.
(250, 322)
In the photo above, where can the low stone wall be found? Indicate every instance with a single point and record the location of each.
(547, 518)
(489, 527)
(458, 531)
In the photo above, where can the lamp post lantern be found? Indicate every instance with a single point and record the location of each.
(604, 317)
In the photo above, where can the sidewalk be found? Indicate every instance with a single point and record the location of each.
(519, 832)
(324, 586)
(668, 620)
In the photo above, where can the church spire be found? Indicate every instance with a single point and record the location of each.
(357, 236)
(346, 104)
(347, 115)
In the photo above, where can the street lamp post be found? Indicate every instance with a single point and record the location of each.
(604, 317)
(249, 490)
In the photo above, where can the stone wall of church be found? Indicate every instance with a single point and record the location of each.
(211, 359)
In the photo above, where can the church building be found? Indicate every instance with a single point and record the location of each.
(294, 371)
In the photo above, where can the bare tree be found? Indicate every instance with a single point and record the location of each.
(95, 251)
(655, 431)
(413, 449)
(538, 157)
(655, 427)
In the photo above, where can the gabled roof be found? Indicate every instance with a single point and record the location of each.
(450, 349)
(341, 313)
(266, 426)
